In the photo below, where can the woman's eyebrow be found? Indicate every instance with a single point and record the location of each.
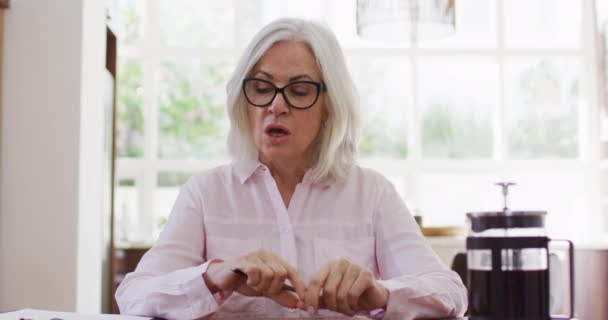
(294, 78)
(300, 76)
(264, 73)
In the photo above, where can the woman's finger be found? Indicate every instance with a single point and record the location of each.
(314, 289)
(287, 299)
(265, 275)
(248, 291)
(296, 280)
(330, 289)
(250, 266)
(364, 281)
(279, 276)
(292, 274)
(266, 278)
(348, 279)
(374, 297)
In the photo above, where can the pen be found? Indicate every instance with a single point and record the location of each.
(285, 286)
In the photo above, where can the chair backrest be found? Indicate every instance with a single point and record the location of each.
(459, 265)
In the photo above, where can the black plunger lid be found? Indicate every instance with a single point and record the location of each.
(506, 219)
(481, 221)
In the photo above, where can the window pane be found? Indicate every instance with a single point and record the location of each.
(130, 126)
(250, 18)
(604, 185)
(605, 215)
(543, 23)
(130, 21)
(256, 14)
(475, 26)
(193, 23)
(383, 85)
(192, 108)
(168, 186)
(172, 179)
(343, 23)
(542, 98)
(307, 9)
(126, 211)
(456, 100)
(445, 198)
(601, 12)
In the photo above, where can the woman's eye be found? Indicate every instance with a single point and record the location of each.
(263, 89)
(299, 90)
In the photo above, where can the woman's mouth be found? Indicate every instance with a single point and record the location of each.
(276, 134)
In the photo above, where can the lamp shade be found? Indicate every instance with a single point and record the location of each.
(405, 20)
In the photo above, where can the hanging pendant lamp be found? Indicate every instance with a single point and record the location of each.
(409, 21)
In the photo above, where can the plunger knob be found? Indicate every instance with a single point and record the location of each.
(505, 191)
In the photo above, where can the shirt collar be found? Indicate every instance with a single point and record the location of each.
(246, 168)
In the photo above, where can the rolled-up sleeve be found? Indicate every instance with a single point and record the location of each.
(168, 280)
(420, 285)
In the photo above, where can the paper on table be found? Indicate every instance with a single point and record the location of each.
(47, 315)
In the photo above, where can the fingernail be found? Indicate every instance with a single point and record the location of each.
(311, 310)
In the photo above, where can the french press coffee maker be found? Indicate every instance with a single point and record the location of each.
(508, 264)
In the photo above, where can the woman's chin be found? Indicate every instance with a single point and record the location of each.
(276, 140)
(276, 152)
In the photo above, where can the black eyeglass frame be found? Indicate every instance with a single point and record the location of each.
(320, 88)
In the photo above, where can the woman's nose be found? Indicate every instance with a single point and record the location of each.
(279, 105)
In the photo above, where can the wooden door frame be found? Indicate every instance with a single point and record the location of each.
(4, 4)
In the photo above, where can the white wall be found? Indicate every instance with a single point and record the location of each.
(50, 211)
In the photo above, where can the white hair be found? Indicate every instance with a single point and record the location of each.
(336, 143)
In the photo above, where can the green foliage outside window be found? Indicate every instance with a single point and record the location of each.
(192, 110)
(447, 134)
(172, 179)
(130, 110)
(548, 127)
(376, 140)
(538, 136)
(131, 22)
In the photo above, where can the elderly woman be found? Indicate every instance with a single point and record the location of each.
(293, 207)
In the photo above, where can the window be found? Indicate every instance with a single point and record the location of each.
(507, 97)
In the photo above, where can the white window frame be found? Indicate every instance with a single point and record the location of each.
(144, 170)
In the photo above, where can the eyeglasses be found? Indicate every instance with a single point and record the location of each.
(297, 94)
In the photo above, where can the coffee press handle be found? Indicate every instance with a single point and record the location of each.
(571, 273)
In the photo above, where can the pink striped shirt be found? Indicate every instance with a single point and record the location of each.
(235, 209)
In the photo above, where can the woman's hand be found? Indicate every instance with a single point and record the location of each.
(266, 274)
(346, 288)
